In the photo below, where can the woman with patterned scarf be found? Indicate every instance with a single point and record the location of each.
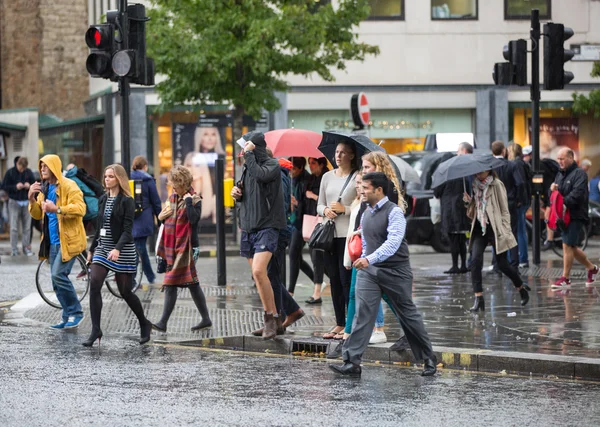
(179, 247)
(488, 209)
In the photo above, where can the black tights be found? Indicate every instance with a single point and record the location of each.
(171, 299)
(124, 283)
(458, 246)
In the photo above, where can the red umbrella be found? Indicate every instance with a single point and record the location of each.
(294, 143)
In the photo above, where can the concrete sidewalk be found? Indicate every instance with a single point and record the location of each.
(557, 334)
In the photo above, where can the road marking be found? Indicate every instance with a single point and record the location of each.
(30, 301)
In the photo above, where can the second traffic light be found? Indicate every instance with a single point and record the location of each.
(516, 54)
(513, 72)
(143, 73)
(555, 56)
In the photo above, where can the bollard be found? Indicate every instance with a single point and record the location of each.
(220, 200)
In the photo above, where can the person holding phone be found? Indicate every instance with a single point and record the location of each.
(58, 202)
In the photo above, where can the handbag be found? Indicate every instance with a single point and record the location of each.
(324, 233)
(355, 247)
(308, 225)
(161, 263)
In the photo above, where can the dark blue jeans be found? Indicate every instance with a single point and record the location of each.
(63, 287)
(522, 235)
(140, 244)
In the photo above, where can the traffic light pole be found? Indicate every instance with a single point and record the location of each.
(124, 90)
(535, 127)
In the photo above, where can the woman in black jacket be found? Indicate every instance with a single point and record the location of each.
(113, 250)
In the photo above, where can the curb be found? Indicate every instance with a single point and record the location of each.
(471, 360)
(212, 253)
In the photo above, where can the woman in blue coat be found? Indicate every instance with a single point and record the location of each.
(143, 225)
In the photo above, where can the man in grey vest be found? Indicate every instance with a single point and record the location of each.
(384, 268)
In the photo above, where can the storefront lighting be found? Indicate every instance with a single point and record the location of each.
(164, 128)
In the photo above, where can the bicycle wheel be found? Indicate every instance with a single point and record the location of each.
(111, 283)
(79, 276)
(582, 242)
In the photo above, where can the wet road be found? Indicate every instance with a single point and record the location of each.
(48, 379)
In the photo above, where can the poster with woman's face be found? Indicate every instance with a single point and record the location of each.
(197, 148)
(556, 133)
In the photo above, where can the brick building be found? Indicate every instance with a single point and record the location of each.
(42, 56)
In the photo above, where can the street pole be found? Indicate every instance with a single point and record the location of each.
(220, 200)
(124, 89)
(535, 126)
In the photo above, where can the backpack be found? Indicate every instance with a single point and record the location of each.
(90, 199)
(91, 182)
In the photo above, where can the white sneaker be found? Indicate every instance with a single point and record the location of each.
(378, 337)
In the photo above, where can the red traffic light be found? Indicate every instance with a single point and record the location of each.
(99, 36)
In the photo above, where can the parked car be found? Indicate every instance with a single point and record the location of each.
(419, 228)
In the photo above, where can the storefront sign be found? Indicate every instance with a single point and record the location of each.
(73, 143)
(380, 124)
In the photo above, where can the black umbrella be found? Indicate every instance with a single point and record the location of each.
(331, 139)
(463, 166)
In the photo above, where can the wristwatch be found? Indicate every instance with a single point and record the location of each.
(58, 211)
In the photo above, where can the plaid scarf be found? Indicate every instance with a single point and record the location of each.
(481, 199)
(176, 243)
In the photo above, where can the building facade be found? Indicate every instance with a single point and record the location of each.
(433, 75)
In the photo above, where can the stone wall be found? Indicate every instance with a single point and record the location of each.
(43, 55)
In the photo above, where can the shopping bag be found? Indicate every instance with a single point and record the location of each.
(308, 225)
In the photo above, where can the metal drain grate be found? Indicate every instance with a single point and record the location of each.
(309, 347)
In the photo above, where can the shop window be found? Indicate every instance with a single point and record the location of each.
(386, 9)
(521, 9)
(453, 9)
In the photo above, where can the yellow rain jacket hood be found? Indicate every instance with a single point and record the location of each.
(69, 199)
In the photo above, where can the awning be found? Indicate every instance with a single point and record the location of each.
(8, 128)
(50, 128)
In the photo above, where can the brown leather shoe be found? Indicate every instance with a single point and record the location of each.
(270, 329)
(258, 332)
(294, 317)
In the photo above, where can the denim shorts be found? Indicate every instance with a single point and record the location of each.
(260, 241)
(570, 237)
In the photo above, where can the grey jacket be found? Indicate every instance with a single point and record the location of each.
(260, 206)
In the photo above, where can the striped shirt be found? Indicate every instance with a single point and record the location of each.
(395, 234)
(127, 262)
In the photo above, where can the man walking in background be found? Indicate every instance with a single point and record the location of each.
(571, 183)
(17, 182)
(513, 179)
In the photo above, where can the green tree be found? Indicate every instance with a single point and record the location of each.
(240, 51)
(585, 104)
